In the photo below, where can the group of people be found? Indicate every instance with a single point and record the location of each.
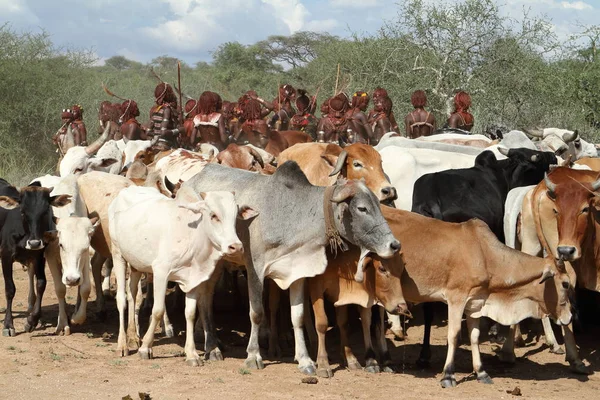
(344, 119)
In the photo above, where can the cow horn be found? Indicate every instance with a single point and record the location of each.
(257, 157)
(595, 185)
(569, 136)
(534, 133)
(547, 274)
(95, 146)
(549, 184)
(70, 139)
(360, 267)
(340, 163)
(503, 150)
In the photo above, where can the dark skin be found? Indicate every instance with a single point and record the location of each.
(79, 132)
(419, 115)
(216, 136)
(363, 129)
(164, 126)
(133, 131)
(456, 121)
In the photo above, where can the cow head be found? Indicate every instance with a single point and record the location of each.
(387, 284)
(34, 203)
(219, 213)
(527, 166)
(360, 161)
(358, 219)
(557, 283)
(73, 235)
(79, 160)
(571, 194)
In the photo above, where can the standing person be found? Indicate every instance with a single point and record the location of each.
(304, 120)
(109, 113)
(379, 118)
(336, 127)
(282, 107)
(190, 110)
(419, 122)
(461, 118)
(164, 123)
(209, 123)
(131, 129)
(72, 132)
(380, 92)
(356, 113)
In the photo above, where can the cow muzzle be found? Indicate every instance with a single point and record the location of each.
(34, 244)
(567, 253)
(234, 248)
(401, 309)
(72, 280)
(388, 193)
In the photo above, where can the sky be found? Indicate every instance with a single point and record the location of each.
(191, 29)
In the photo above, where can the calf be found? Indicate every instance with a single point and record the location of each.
(25, 215)
(182, 242)
(466, 267)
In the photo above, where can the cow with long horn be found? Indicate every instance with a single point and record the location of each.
(79, 160)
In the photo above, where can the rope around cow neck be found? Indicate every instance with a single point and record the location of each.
(331, 232)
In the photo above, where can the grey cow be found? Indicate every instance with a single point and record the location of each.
(287, 241)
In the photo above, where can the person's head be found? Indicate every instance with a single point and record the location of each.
(338, 105)
(77, 111)
(66, 115)
(191, 108)
(129, 109)
(287, 92)
(164, 93)
(209, 102)
(302, 101)
(462, 101)
(418, 99)
(252, 110)
(379, 92)
(360, 100)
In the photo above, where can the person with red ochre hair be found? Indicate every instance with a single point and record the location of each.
(109, 113)
(254, 128)
(356, 113)
(72, 118)
(419, 122)
(336, 127)
(209, 124)
(379, 118)
(304, 120)
(461, 118)
(380, 92)
(164, 124)
(131, 129)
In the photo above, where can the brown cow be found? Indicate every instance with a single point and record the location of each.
(560, 216)
(321, 163)
(281, 140)
(466, 267)
(592, 162)
(244, 157)
(338, 284)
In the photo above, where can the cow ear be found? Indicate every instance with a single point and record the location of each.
(343, 193)
(50, 236)
(203, 195)
(61, 200)
(8, 203)
(245, 213)
(36, 183)
(196, 207)
(547, 274)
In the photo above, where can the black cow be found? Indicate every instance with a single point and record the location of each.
(458, 195)
(25, 215)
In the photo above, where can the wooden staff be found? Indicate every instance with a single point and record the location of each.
(179, 85)
(108, 92)
(336, 80)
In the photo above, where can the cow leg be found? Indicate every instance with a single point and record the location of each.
(158, 309)
(309, 326)
(396, 327)
(473, 326)
(371, 364)
(84, 293)
(454, 319)
(31, 295)
(550, 338)
(120, 272)
(191, 303)
(9, 290)
(519, 342)
(61, 291)
(133, 327)
(305, 363)
(255, 294)
(321, 324)
(381, 343)
(109, 265)
(507, 353)
(97, 262)
(274, 299)
(425, 354)
(167, 327)
(206, 296)
(341, 316)
(40, 285)
(575, 364)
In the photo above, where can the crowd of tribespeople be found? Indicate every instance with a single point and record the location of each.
(344, 119)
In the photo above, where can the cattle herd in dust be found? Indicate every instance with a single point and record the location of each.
(503, 229)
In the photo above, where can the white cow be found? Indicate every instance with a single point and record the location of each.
(179, 239)
(132, 148)
(79, 160)
(180, 165)
(404, 166)
(565, 142)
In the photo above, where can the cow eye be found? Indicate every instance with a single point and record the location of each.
(214, 217)
(362, 209)
(382, 269)
(565, 285)
(78, 169)
(555, 211)
(357, 164)
(585, 210)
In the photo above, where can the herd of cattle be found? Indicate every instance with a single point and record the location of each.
(317, 219)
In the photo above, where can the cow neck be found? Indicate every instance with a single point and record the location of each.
(332, 233)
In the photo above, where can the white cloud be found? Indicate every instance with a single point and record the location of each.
(354, 4)
(292, 12)
(577, 5)
(322, 25)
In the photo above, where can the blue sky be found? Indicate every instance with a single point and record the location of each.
(190, 29)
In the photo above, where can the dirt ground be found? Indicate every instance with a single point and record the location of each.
(84, 365)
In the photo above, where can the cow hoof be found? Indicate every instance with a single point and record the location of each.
(194, 362)
(557, 350)
(9, 332)
(215, 355)
(422, 363)
(354, 366)
(29, 327)
(324, 373)
(77, 320)
(145, 354)
(373, 369)
(390, 369)
(484, 378)
(307, 369)
(448, 382)
(253, 363)
(579, 368)
(63, 330)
